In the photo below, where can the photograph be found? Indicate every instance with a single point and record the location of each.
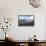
(26, 20)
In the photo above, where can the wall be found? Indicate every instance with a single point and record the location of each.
(13, 8)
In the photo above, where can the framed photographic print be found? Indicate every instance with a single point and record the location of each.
(26, 20)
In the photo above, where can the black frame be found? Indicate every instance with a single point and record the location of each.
(32, 24)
